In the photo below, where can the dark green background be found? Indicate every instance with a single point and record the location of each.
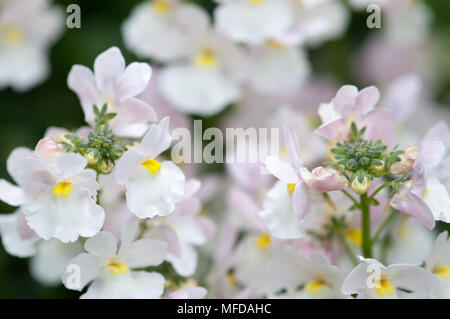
(25, 116)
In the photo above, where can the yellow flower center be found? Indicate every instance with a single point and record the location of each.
(274, 44)
(117, 268)
(256, 1)
(160, 6)
(12, 35)
(426, 193)
(231, 279)
(443, 272)
(384, 287)
(62, 189)
(291, 188)
(263, 242)
(314, 287)
(355, 236)
(206, 59)
(152, 166)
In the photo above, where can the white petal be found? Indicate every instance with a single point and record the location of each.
(134, 285)
(151, 195)
(278, 214)
(69, 164)
(126, 166)
(12, 241)
(10, 194)
(103, 244)
(186, 263)
(86, 266)
(108, 67)
(144, 252)
(50, 261)
(157, 139)
(65, 218)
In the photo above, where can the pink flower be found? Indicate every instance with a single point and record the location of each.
(407, 161)
(117, 86)
(48, 149)
(349, 106)
(323, 179)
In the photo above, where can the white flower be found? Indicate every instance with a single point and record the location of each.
(278, 213)
(253, 21)
(23, 45)
(208, 78)
(250, 266)
(319, 278)
(275, 68)
(111, 269)
(438, 262)
(58, 199)
(153, 187)
(50, 260)
(371, 279)
(117, 86)
(316, 21)
(161, 29)
(15, 243)
(183, 230)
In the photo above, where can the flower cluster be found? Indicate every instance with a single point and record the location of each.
(78, 190)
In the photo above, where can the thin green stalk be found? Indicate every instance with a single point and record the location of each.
(351, 197)
(383, 226)
(379, 189)
(348, 249)
(365, 226)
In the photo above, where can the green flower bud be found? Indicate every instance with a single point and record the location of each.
(92, 157)
(105, 166)
(361, 187)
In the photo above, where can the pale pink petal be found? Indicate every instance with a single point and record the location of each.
(108, 67)
(292, 148)
(157, 139)
(133, 81)
(126, 165)
(410, 204)
(81, 80)
(301, 201)
(344, 100)
(281, 169)
(379, 125)
(366, 100)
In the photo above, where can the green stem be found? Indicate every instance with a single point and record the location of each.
(348, 249)
(365, 222)
(383, 227)
(351, 197)
(379, 189)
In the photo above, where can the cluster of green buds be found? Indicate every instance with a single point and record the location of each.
(361, 160)
(102, 147)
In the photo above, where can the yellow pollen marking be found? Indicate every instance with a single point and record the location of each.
(152, 166)
(314, 287)
(426, 193)
(443, 272)
(161, 6)
(256, 1)
(62, 189)
(384, 288)
(12, 35)
(263, 242)
(355, 235)
(231, 279)
(206, 59)
(291, 188)
(117, 268)
(275, 44)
